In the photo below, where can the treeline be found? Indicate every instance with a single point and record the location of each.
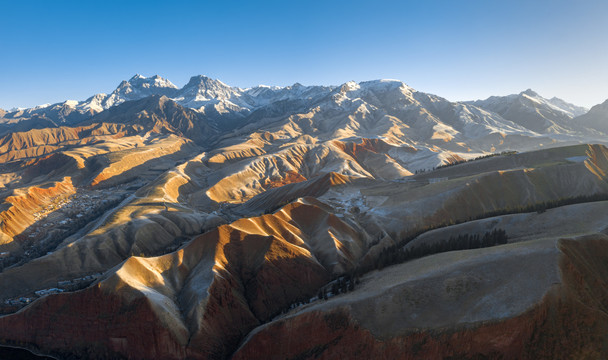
(469, 241)
(398, 254)
(538, 207)
(340, 285)
(542, 206)
(457, 162)
(477, 158)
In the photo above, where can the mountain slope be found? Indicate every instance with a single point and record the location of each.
(212, 222)
(136, 88)
(533, 111)
(159, 114)
(231, 107)
(71, 111)
(596, 118)
(202, 300)
(515, 301)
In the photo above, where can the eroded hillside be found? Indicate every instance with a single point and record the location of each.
(152, 230)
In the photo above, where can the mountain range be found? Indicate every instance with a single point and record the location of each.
(366, 220)
(218, 101)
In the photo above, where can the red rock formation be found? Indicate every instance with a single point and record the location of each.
(18, 215)
(161, 308)
(38, 142)
(92, 323)
(290, 177)
(570, 323)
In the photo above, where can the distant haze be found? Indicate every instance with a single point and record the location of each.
(458, 50)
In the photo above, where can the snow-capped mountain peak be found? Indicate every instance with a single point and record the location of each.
(349, 86)
(139, 82)
(529, 92)
(229, 107)
(204, 84)
(202, 90)
(533, 111)
(567, 107)
(138, 87)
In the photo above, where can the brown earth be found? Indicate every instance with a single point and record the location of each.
(39, 142)
(202, 299)
(334, 185)
(18, 209)
(569, 322)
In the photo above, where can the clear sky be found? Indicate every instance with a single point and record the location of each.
(51, 51)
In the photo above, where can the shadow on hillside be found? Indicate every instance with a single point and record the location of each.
(146, 171)
(46, 234)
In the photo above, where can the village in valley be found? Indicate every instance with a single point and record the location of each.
(65, 216)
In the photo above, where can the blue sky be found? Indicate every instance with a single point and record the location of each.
(51, 51)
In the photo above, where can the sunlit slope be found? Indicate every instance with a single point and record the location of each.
(127, 165)
(176, 226)
(39, 184)
(18, 209)
(239, 181)
(170, 207)
(40, 142)
(333, 200)
(207, 295)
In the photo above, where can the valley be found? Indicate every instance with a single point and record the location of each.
(367, 220)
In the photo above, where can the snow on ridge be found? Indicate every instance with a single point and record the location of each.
(203, 93)
(555, 103)
(500, 103)
(202, 90)
(37, 107)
